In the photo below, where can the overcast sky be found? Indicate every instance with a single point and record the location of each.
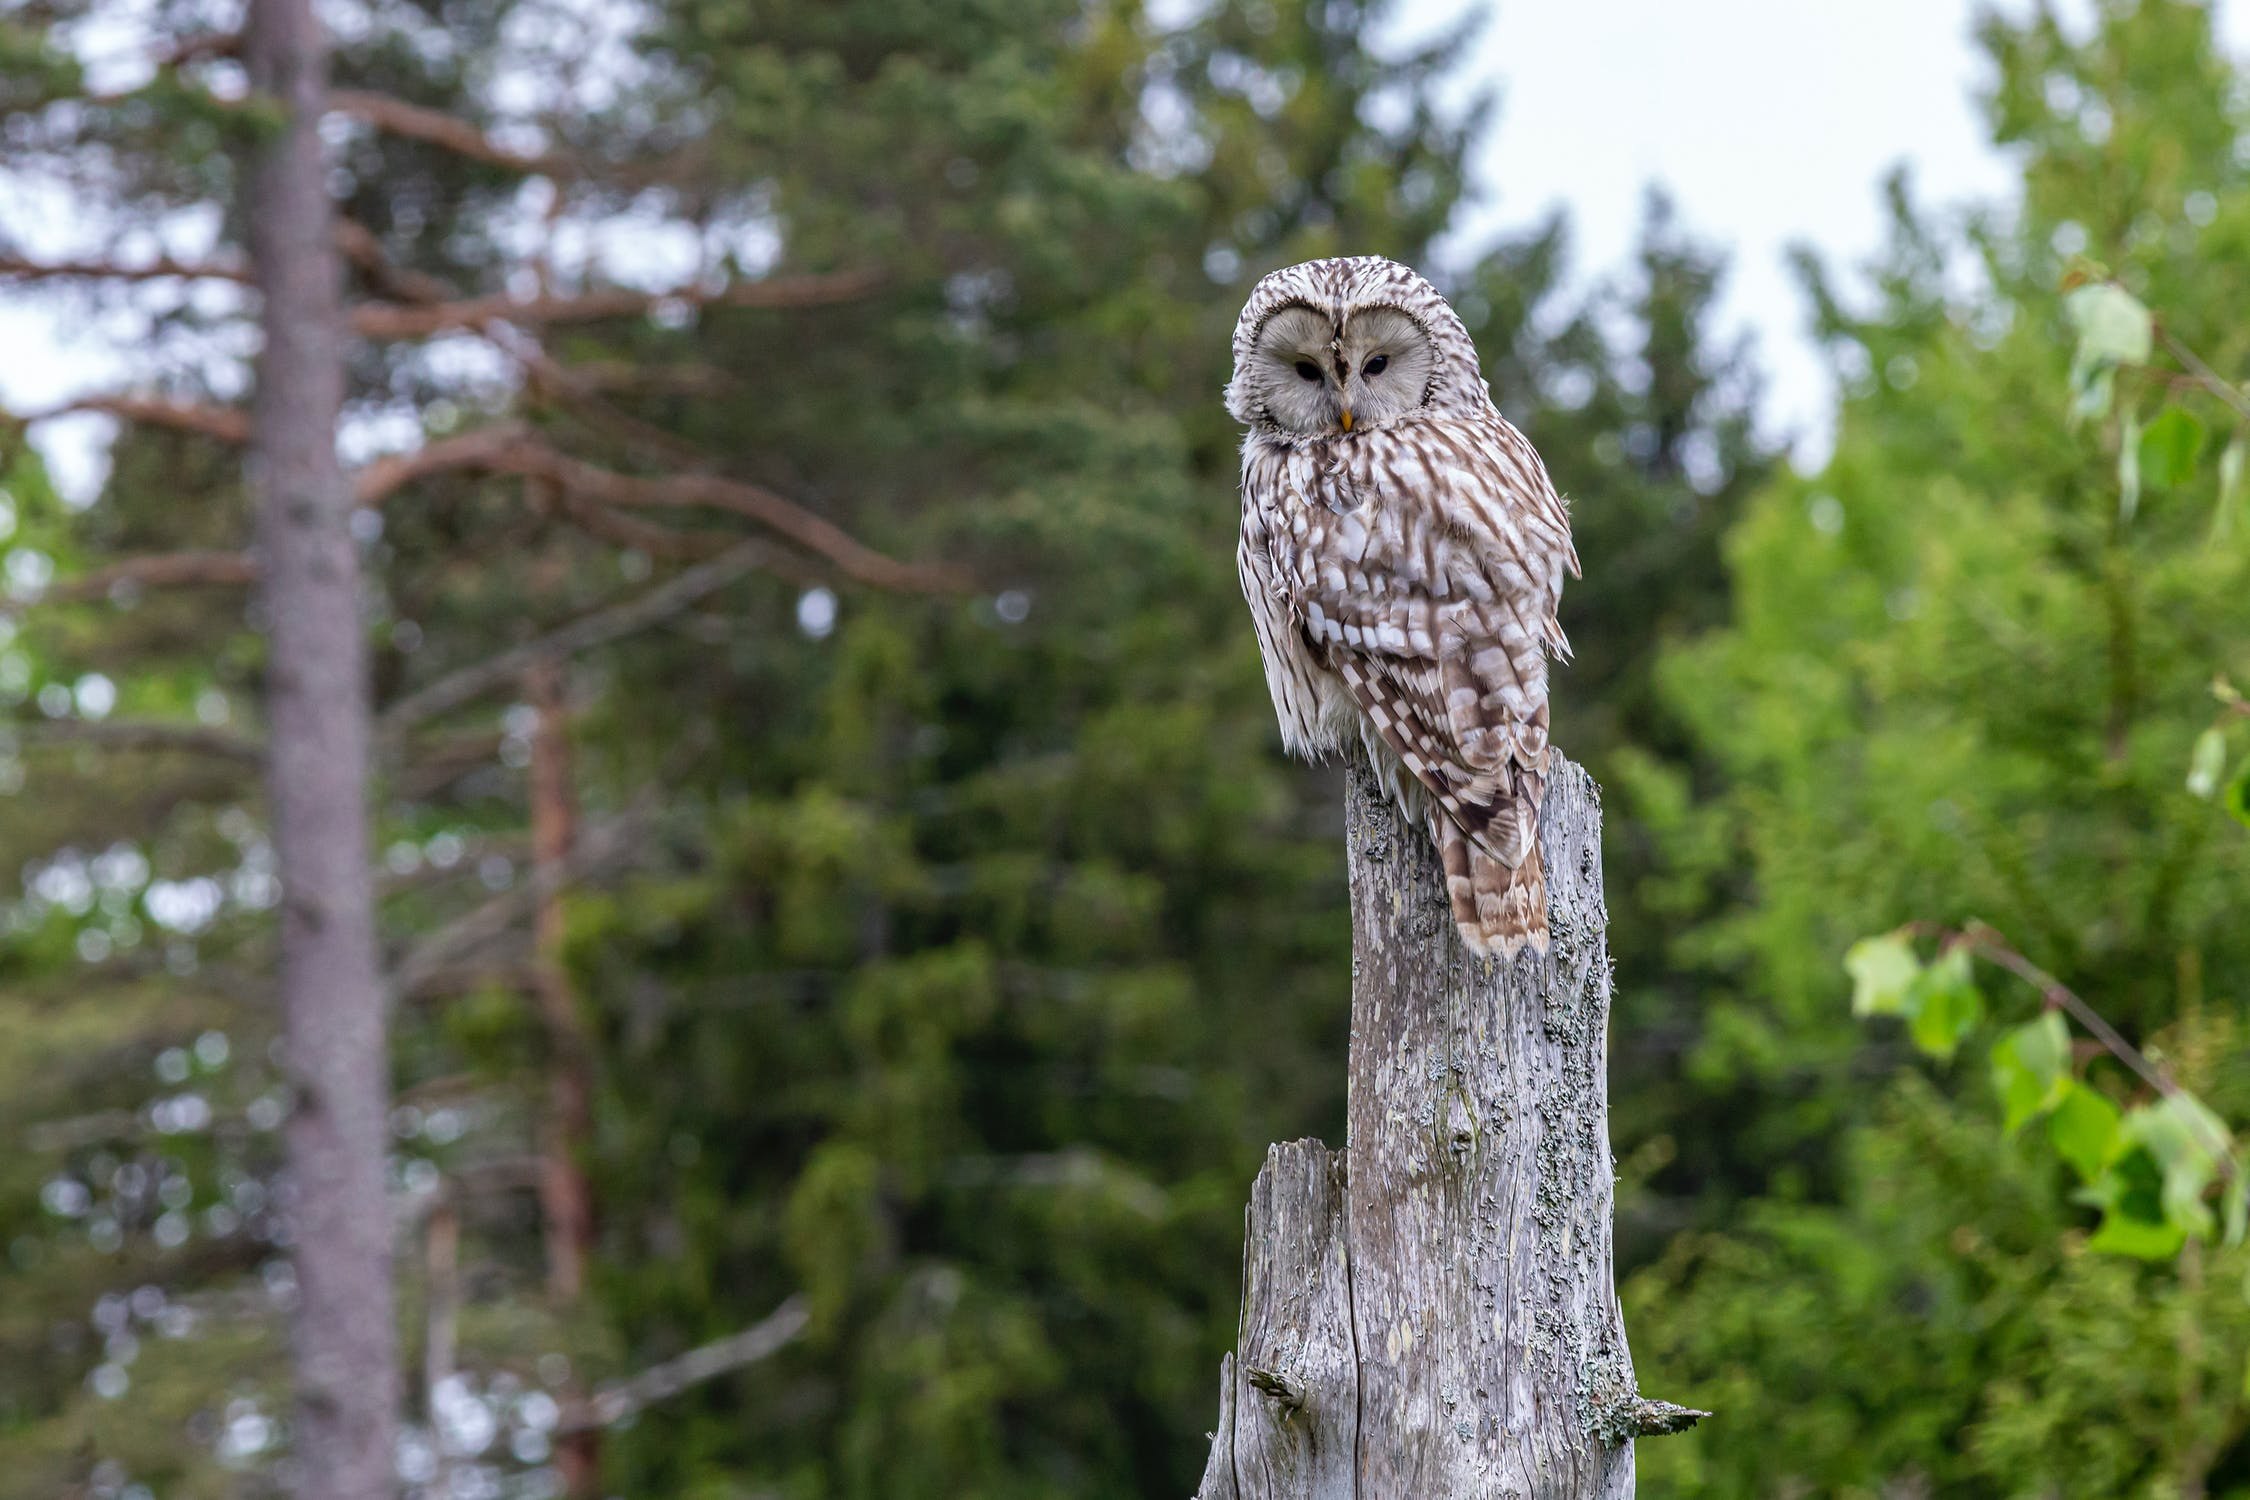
(1771, 121)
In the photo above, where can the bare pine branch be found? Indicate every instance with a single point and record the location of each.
(417, 122)
(141, 736)
(666, 542)
(364, 250)
(163, 268)
(157, 570)
(740, 497)
(478, 448)
(224, 423)
(383, 320)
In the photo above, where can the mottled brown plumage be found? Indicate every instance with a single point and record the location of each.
(1403, 554)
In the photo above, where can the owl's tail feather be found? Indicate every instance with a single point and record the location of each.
(1499, 908)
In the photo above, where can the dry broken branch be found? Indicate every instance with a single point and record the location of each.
(420, 318)
(548, 378)
(594, 376)
(507, 448)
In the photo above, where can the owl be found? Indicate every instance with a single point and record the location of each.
(1403, 554)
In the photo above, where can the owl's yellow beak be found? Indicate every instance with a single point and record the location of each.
(1347, 419)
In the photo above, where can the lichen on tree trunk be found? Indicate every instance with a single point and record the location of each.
(1432, 1312)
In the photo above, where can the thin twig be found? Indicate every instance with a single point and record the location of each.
(157, 570)
(388, 320)
(604, 847)
(761, 1340)
(666, 543)
(197, 48)
(126, 734)
(363, 249)
(2205, 376)
(225, 423)
(417, 122)
(661, 603)
(1991, 944)
(785, 517)
(163, 268)
(477, 448)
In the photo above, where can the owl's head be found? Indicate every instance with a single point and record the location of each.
(1349, 345)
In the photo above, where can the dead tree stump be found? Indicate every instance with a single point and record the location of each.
(1431, 1313)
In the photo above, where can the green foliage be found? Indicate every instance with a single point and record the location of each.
(1939, 1001)
(2208, 762)
(2083, 1125)
(1942, 1326)
(1964, 675)
(2230, 489)
(951, 987)
(1005, 944)
(968, 950)
(2149, 1169)
(2114, 329)
(1946, 1005)
(2170, 446)
(1884, 971)
(2031, 1069)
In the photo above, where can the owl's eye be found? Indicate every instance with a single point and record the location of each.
(1308, 369)
(1377, 365)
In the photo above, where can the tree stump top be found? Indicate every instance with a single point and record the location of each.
(1432, 1312)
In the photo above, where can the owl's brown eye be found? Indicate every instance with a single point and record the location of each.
(1308, 369)
(1377, 365)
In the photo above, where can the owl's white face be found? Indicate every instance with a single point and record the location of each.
(1308, 377)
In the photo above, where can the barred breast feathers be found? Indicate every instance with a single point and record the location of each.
(1405, 580)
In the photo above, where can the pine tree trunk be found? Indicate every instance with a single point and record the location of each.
(1431, 1314)
(566, 1196)
(317, 714)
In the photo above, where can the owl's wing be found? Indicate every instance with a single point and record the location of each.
(1426, 571)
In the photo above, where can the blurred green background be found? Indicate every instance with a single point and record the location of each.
(950, 958)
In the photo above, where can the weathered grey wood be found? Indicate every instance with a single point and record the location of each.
(1486, 1356)
(1218, 1469)
(1297, 1401)
(1480, 1205)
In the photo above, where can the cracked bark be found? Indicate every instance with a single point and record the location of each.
(1432, 1312)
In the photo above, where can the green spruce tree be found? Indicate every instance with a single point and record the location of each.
(1966, 666)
